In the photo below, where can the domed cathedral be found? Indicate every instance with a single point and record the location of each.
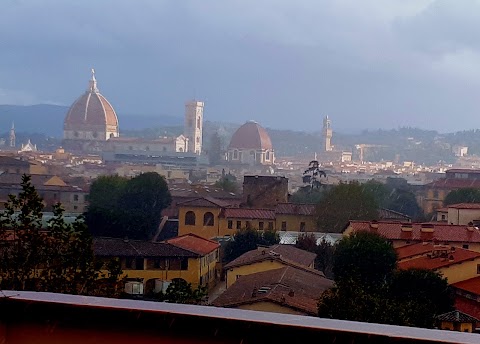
(90, 121)
(251, 145)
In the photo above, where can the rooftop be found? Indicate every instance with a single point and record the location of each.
(284, 253)
(437, 259)
(471, 285)
(194, 243)
(440, 232)
(456, 316)
(289, 286)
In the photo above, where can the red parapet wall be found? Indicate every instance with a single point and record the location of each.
(29, 317)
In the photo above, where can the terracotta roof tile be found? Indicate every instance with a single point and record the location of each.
(409, 251)
(442, 232)
(433, 263)
(194, 243)
(456, 316)
(464, 206)
(295, 209)
(114, 247)
(290, 287)
(454, 183)
(471, 285)
(285, 253)
(246, 213)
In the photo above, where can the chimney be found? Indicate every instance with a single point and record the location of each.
(374, 224)
(407, 227)
(291, 293)
(427, 227)
(470, 227)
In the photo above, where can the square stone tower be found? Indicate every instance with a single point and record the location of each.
(194, 125)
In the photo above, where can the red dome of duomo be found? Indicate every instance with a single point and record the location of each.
(91, 117)
(251, 136)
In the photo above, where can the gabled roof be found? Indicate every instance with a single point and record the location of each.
(115, 247)
(388, 214)
(295, 209)
(208, 202)
(289, 286)
(413, 250)
(464, 206)
(194, 243)
(286, 254)
(432, 262)
(454, 183)
(456, 317)
(440, 232)
(248, 213)
(471, 285)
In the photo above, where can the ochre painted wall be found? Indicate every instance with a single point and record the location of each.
(460, 272)
(199, 229)
(251, 269)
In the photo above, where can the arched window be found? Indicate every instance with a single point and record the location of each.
(208, 219)
(190, 218)
(199, 123)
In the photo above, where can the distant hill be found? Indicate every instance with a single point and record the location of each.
(48, 119)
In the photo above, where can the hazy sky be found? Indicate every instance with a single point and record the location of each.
(284, 63)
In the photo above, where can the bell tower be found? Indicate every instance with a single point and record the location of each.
(194, 125)
(12, 136)
(327, 134)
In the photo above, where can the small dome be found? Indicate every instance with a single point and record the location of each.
(251, 136)
(91, 110)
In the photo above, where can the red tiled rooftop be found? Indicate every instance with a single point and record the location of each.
(442, 232)
(433, 263)
(245, 213)
(289, 286)
(284, 253)
(194, 243)
(295, 209)
(471, 285)
(413, 250)
(464, 206)
(454, 183)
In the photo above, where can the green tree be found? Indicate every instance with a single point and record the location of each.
(215, 151)
(364, 258)
(343, 203)
(180, 291)
(248, 239)
(419, 295)
(464, 195)
(57, 259)
(369, 288)
(227, 183)
(131, 208)
(307, 195)
(324, 251)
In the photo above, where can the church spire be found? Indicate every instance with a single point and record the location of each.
(93, 83)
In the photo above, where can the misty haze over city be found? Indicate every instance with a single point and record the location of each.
(286, 64)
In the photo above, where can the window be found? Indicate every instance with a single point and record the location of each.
(75, 198)
(260, 225)
(75, 207)
(199, 123)
(198, 139)
(270, 226)
(248, 224)
(129, 261)
(208, 219)
(302, 226)
(239, 224)
(444, 217)
(230, 224)
(54, 195)
(465, 246)
(267, 155)
(478, 269)
(284, 225)
(235, 154)
(190, 218)
(169, 174)
(159, 263)
(164, 148)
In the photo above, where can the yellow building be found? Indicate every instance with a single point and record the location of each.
(189, 257)
(455, 264)
(209, 218)
(267, 258)
(456, 321)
